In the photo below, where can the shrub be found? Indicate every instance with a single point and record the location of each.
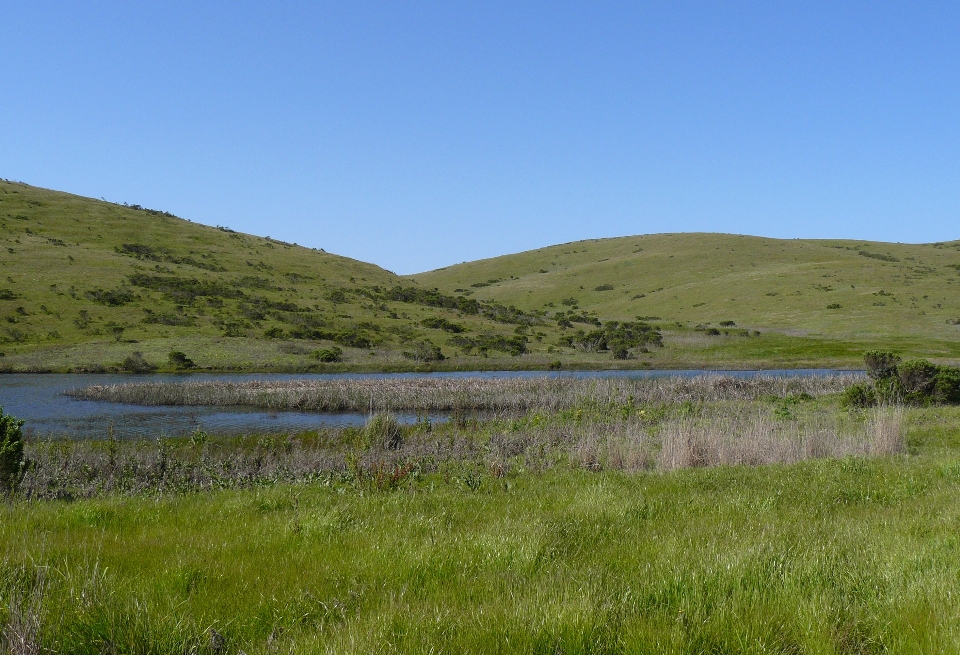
(555, 365)
(11, 452)
(881, 364)
(135, 363)
(383, 432)
(440, 323)
(858, 395)
(328, 355)
(425, 352)
(834, 305)
(111, 298)
(604, 287)
(918, 380)
(620, 351)
(727, 324)
(274, 333)
(179, 360)
(947, 385)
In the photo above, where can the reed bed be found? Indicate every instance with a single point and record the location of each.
(739, 434)
(461, 394)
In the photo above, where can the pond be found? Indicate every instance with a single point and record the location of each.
(39, 399)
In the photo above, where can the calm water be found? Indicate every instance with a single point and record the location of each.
(39, 399)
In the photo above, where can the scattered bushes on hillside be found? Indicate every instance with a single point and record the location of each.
(178, 319)
(916, 382)
(616, 337)
(875, 255)
(184, 289)
(483, 343)
(440, 323)
(160, 254)
(111, 298)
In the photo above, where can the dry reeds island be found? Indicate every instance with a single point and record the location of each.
(451, 393)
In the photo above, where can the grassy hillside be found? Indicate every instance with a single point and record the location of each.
(827, 293)
(85, 284)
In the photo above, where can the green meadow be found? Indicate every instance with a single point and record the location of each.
(851, 555)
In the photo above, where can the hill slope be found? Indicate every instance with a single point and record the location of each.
(837, 289)
(84, 284)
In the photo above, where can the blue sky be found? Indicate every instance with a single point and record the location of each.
(417, 135)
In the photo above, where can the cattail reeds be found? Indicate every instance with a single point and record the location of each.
(461, 394)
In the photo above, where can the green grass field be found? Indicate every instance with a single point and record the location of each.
(85, 283)
(827, 556)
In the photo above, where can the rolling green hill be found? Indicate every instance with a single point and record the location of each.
(84, 284)
(901, 295)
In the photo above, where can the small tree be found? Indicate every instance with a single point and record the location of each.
(11, 452)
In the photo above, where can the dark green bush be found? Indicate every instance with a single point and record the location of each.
(620, 351)
(111, 298)
(274, 333)
(328, 355)
(918, 380)
(425, 352)
(858, 395)
(881, 364)
(11, 452)
(179, 360)
(135, 363)
(947, 385)
(440, 323)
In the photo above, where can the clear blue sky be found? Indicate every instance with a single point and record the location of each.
(416, 135)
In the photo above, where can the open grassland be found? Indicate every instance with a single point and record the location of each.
(86, 284)
(852, 555)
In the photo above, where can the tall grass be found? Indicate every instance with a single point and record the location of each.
(449, 394)
(385, 454)
(756, 440)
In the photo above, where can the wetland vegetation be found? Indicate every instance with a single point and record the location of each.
(662, 515)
